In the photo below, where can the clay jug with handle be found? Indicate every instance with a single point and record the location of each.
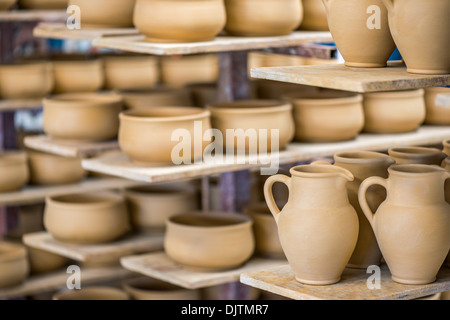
(318, 227)
(412, 226)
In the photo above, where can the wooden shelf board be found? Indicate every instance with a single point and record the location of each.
(69, 148)
(160, 266)
(105, 252)
(118, 164)
(33, 15)
(337, 76)
(353, 285)
(13, 105)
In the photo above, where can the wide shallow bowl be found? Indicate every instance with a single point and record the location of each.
(92, 293)
(43, 261)
(43, 4)
(417, 155)
(14, 171)
(14, 266)
(145, 288)
(156, 97)
(438, 112)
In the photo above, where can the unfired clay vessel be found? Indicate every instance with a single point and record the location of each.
(42, 261)
(14, 266)
(446, 166)
(417, 155)
(314, 16)
(318, 227)
(179, 21)
(412, 225)
(14, 171)
(361, 32)
(438, 112)
(204, 94)
(446, 149)
(6, 4)
(421, 31)
(156, 97)
(209, 241)
(92, 293)
(43, 4)
(256, 18)
(145, 288)
(394, 112)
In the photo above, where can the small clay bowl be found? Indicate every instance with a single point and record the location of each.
(156, 97)
(43, 262)
(14, 171)
(438, 113)
(417, 155)
(14, 266)
(92, 293)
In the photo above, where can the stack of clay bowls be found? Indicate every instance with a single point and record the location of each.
(14, 266)
(438, 111)
(156, 97)
(14, 171)
(92, 293)
(145, 288)
(6, 4)
(43, 4)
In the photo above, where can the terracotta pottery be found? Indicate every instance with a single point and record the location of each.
(138, 129)
(14, 266)
(129, 72)
(14, 170)
(43, 261)
(417, 155)
(446, 166)
(314, 16)
(267, 241)
(446, 149)
(92, 293)
(6, 4)
(26, 80)
(30, 220)
(438, 112)
(43, 4)
(318, 215)
(151, 206)
(394, 112)
(209, 241)
(179, 21)
(424, 49)
(87, 117)
(86, 218)
(157, 97)
(145, 288)
(259, 18)
(275, 90)
(412, 225)
(250, 117)
(361, 32)
(221, 293)
(327, 116)
(105, 13)
(50, 169)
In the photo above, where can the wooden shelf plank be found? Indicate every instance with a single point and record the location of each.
(33, 15)
(69, 148)
(160, 266)
(13, 105)
(337, 76)
(353, 285)
(97, 253)
(118, 164)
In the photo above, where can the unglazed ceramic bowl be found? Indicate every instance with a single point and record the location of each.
(87, 218)
(394, 112)
(43, 4)
(417, 155)
(438, 112)
(6, 4)
(164, 135)
(255, 18)
(156, 97)
(209, 241)
(314, 16)
(92, 293)
(43, 261)
(145, 288)
(14, 266)
(179, 21)
(82, 116)
(14, 171)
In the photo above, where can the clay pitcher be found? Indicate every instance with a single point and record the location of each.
(318, 228)
(365, 164)
(412, 226)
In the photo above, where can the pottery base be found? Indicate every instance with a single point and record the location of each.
(318, 283)
(365, 65)
(159, 40)
(413, 282)
(425, 71)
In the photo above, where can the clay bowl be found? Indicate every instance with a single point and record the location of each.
(446, 149)
(417, 155)
(179, 21)
(157, 97)
(24, 80)
(14, 171)
(256, 18)
(14, 266)
(6, 4)
(44, 262)
(327, 116)
(92, 293)
(209, 241)
(314, 16)
(129, 72)
(43, 4)
(50, 169)
(105, 13)
(145, 288)
(394, 112)
(86, 218)
(86, 117)
(146, 135)
(437, 112)
(181, 71)
(253, 115)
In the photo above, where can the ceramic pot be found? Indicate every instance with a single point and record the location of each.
(6, 4)
(151, 206)
(105, 13)
(327, 116)
(446, 149)
(96, 116)
(50, 169)
(424, 49)
(318, 215)
(44, 262)
(394, 112)
(412, 225)
(32, 80)
(209, 241)
(13, 170)
(314, 16)
(92, 293)
(138, 129)
(43, 4)
(145, 288)
(158, 97)
(262, 18)
(252, 116)
(30, 220)
(438, 113)
(14, 266)
(86, 218)
(179, 21)
(417, 155)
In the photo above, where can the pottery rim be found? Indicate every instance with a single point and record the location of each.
(414, 152)
(209, 222)
(83, 200)
(107, 293)
(395, 94)
(363, 157)
(86, 99)
(165, 114)
(321, 171)
(416, 169)
(11, 251)
(22, 66)
(11, 158)
(253, 107)
(329, 97)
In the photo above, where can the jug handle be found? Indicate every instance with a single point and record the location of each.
(363, 192)
(268, 193)
(389, 4)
